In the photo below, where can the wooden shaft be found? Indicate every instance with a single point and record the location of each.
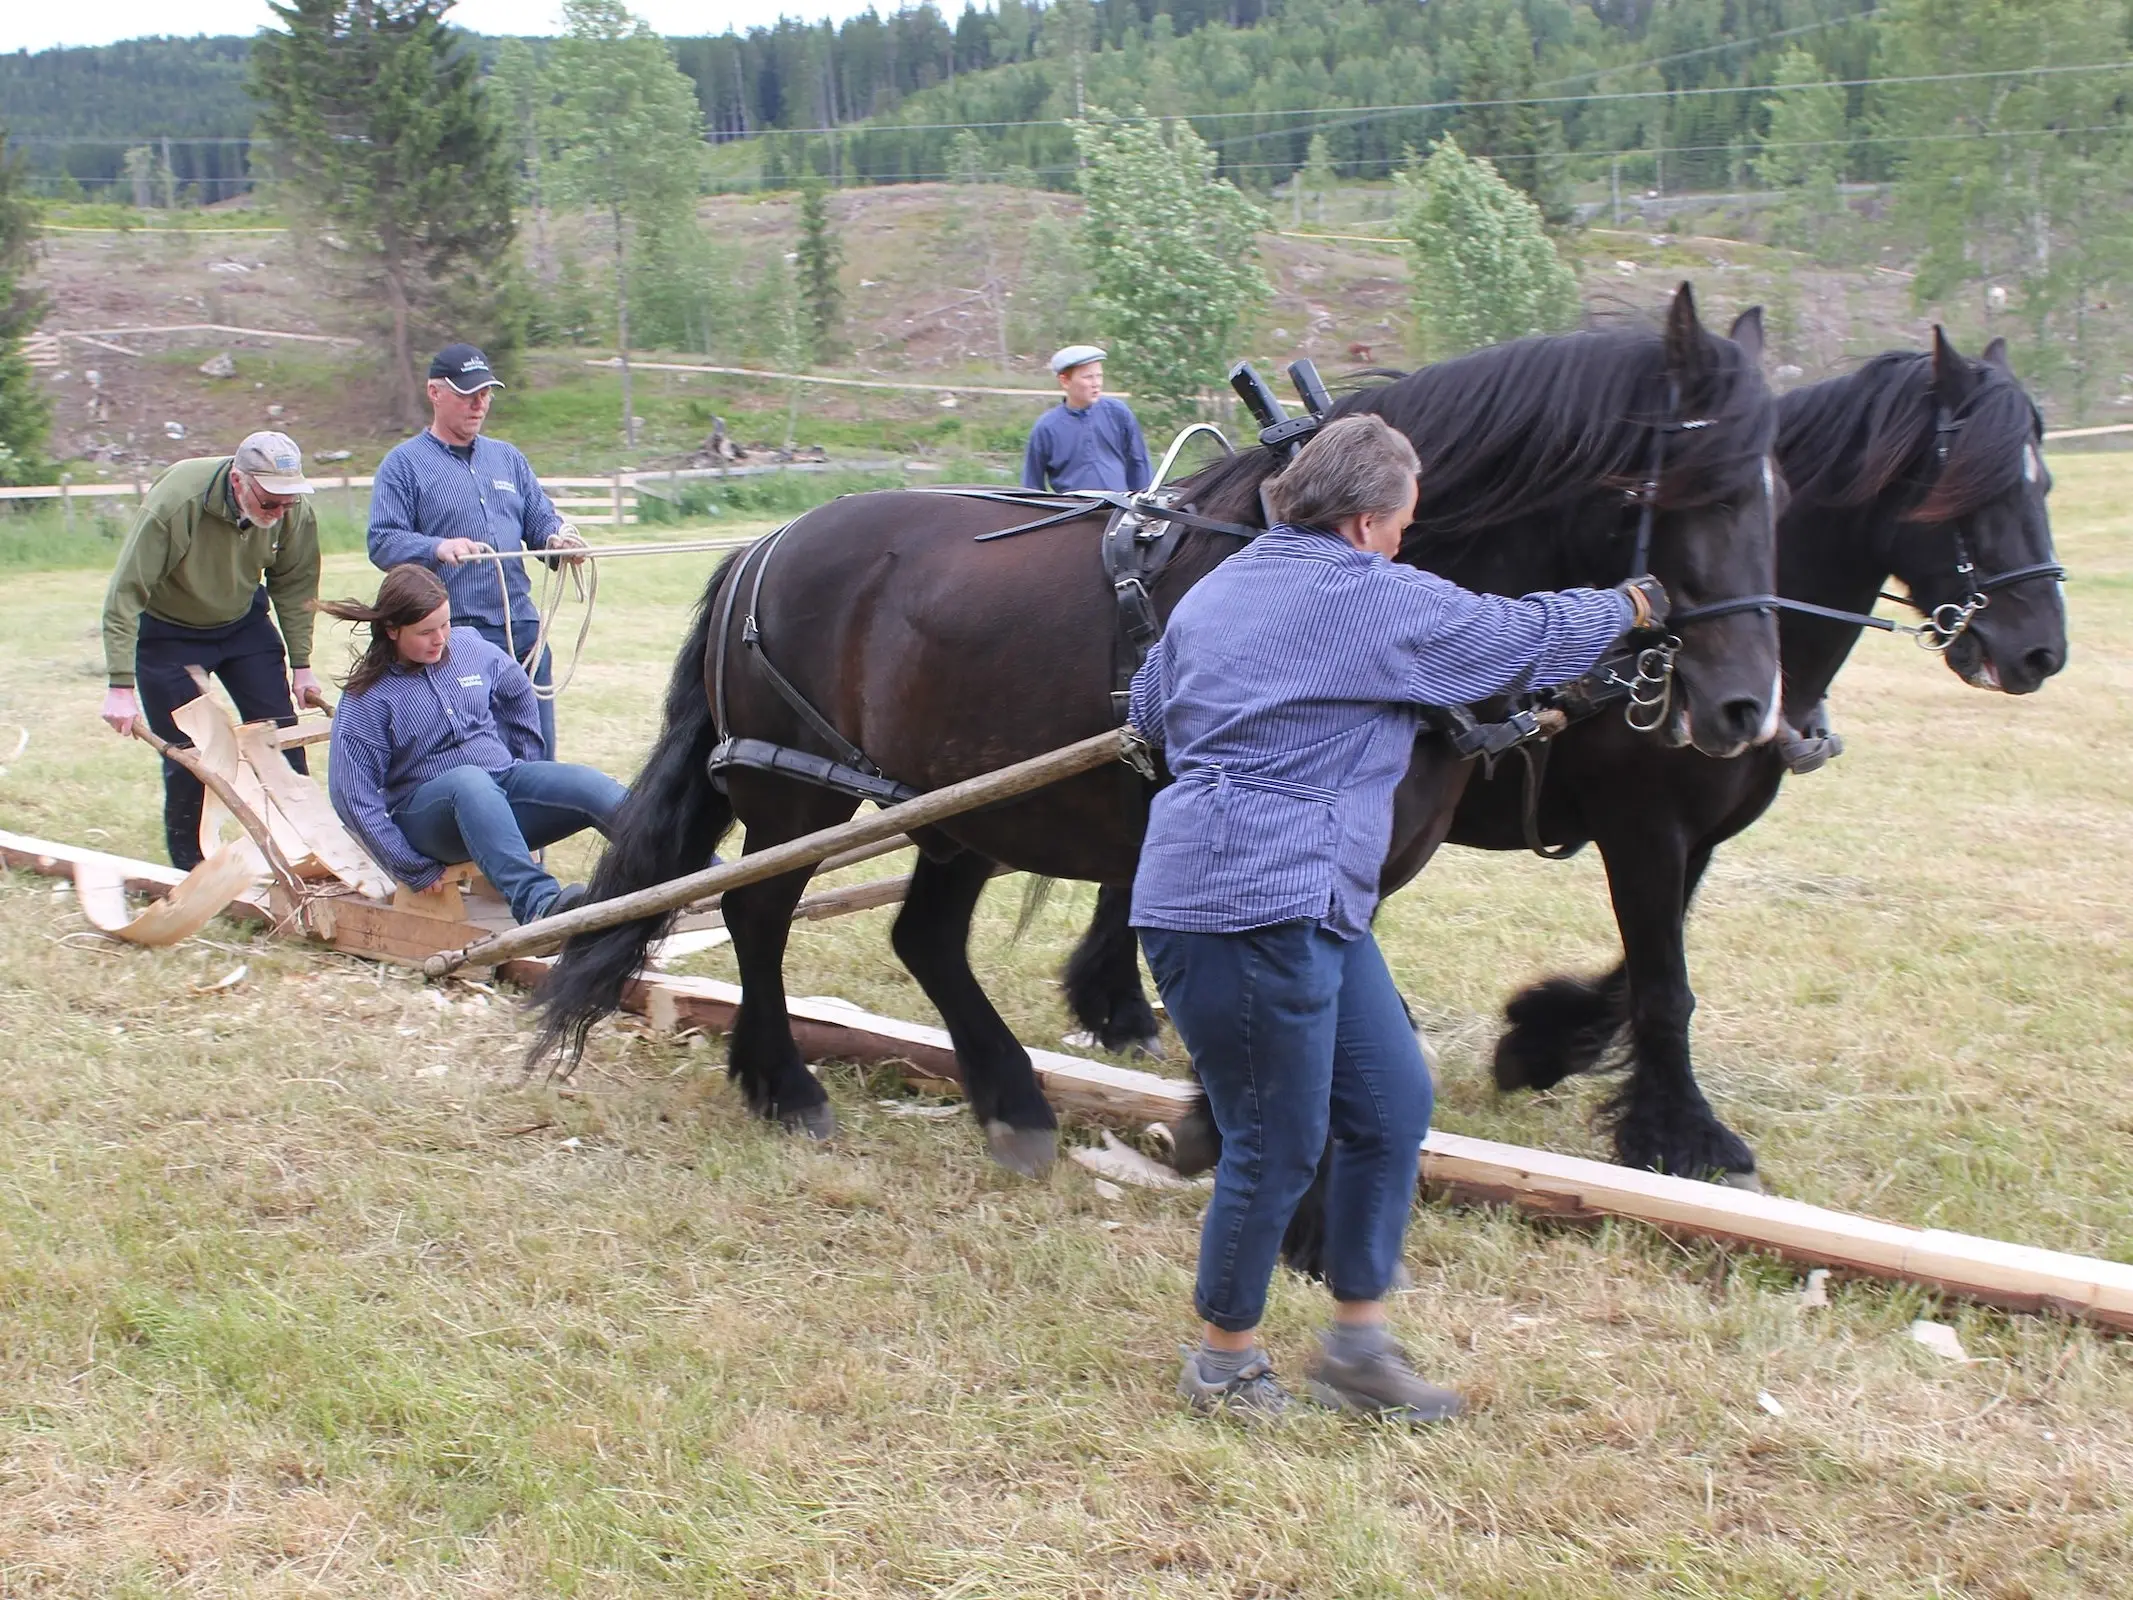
(852, 858)
(988, 788)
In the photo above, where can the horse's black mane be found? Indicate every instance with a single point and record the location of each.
(1533, 425)
(1848, 441)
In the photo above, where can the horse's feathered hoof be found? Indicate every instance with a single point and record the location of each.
(1195, 1143)
(1749, 1181)
(1027, 1152)
(817, 1121)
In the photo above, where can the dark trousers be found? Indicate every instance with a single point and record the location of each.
(521, 640)
(1295, 1033)
(248, 657)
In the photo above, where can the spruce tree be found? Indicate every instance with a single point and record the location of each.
(397, 173)
(820, 257)
(1801, 156)
(24, 414)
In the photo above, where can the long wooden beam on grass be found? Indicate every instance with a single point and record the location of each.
(936, 805)
(1962, 1265)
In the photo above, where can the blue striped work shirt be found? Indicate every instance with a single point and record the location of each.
(425, 493)
(1098, 447)
(1287, 694)
(473, 708)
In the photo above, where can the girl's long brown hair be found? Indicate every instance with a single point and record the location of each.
(408, 594)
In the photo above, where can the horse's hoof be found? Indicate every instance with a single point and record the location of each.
(1749, 1181)
(1150, 1045)
(1026, 1152)
(818, 1122)
(1195, 1145)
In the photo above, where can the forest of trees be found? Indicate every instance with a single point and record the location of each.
(895, 85)
(75, 113)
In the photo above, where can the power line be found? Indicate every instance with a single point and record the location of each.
(858, 128)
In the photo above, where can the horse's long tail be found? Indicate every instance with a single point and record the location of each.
(670, 825)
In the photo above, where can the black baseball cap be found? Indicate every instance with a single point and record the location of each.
(464, 368)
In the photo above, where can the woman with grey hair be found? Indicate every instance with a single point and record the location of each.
(1287, 694)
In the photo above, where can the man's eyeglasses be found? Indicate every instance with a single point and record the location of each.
(270, 502)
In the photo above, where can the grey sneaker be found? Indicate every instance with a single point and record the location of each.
(1253, 1395)
(1381, 1384)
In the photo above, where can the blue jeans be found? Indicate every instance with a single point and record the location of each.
(522, 636)
(497, 823)
(1292, 1032)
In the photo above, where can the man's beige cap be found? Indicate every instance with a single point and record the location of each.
(272, 461)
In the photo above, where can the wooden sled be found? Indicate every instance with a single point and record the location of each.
(272, 844)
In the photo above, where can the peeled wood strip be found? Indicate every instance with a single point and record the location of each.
(190, 905)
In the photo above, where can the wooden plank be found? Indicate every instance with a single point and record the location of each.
(51, 859)
(304, 810)
(2018, 1276)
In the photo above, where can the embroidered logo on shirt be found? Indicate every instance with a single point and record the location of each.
(472, 682)
(505, 484)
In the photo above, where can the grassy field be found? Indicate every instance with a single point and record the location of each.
(303, 1290)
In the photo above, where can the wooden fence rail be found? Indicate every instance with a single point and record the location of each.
(614, 504)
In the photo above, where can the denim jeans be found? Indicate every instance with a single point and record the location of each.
(497, 823)
(522, 637)
(1294, 1032)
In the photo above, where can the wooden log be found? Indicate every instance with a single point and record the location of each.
(935, 806)
(1960, 1265)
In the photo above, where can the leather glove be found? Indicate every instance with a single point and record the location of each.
(1648, 596)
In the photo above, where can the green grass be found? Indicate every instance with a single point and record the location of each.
(303, 1290)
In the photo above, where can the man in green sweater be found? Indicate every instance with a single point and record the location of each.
(216, 538)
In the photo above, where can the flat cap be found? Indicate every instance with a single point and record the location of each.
(1075, 355)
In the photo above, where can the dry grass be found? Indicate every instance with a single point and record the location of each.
(302, 1291)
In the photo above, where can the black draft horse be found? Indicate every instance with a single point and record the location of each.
(941, 657)
(1927, 467)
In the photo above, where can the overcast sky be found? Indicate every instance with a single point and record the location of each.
(25, 26)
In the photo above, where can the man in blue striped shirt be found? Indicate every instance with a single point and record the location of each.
(1287, 693)
(1090, 440)
(449, 493)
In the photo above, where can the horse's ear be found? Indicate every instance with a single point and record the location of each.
(1684, 334)
(1996, 356)
(1952, 377)
(1747, 332)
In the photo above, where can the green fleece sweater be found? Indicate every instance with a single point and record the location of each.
(192, 559)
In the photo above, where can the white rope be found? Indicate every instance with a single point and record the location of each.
(577, 567)
(608, 552)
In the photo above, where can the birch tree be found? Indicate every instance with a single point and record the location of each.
(1173, 260)
(627, 141)
(1484, 267)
